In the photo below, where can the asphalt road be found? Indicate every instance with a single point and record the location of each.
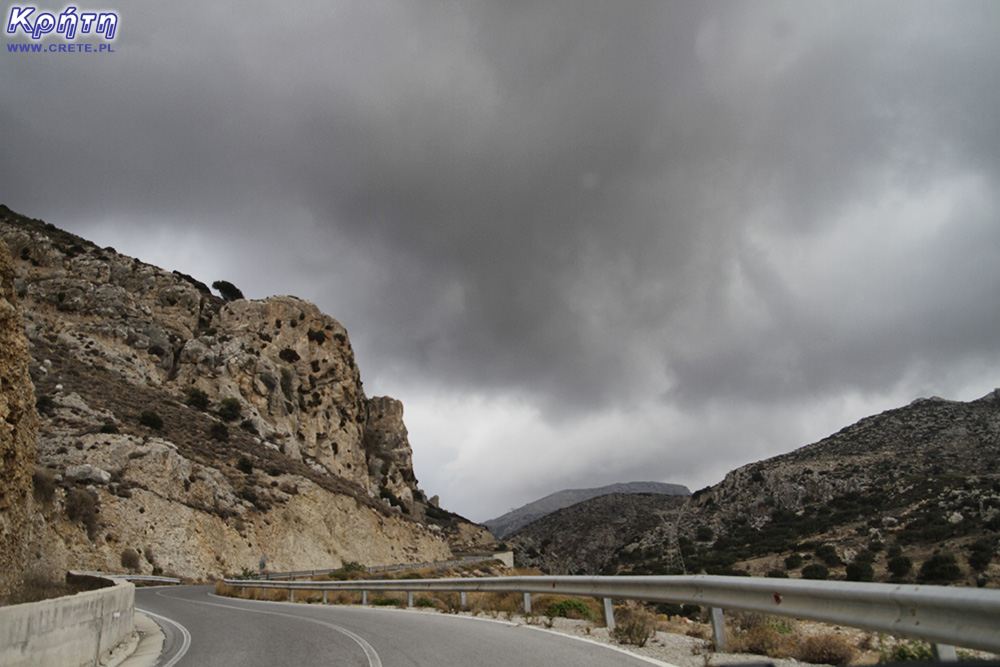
(203, 630)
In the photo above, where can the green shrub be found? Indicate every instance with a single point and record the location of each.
(815, 571)
(860, 572)
(908, 651)
(777, 574)
(570, 608)
(197, 399)
(940, 568)
(704, 534)
(244, 465)
(230, 409)
(424, 602)
(109, 427)
(899, 566)
(219, 431)
(828, 554)
(384, 602)
(980, 555)
(151, 419)
(248, 426)
(793, 561)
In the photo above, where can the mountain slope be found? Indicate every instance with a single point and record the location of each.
(511, 521)
(202, 433)
(911, 494)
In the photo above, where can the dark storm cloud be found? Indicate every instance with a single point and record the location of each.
(581, 206)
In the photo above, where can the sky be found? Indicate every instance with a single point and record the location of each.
(584, 242)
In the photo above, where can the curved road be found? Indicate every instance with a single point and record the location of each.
(209, 631)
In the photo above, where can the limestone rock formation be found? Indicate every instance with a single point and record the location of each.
(18, 428)
(238, 420)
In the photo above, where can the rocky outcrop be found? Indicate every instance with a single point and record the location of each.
(510, 522)
(18, 429)
(238, 420)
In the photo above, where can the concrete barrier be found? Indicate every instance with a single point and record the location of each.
(70, 631)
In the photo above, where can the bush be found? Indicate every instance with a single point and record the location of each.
(704, 534)
(130, 559)
(197, 399)
(815, 571)
(828, 554)
(109, 427)
(794, 561)
(248, 426)
(384, 602)
(827, 649)
(940, 568)
(228, 290)
(860, 572)
(219, 431)
(899, 566)
(571, 608)
(762, 640)
(908, 651)
(81, 506)
(424, 602)
(244, 465)
(633, 626)
(980, 555)
(151, 419)
(44, 481)
(230, 409)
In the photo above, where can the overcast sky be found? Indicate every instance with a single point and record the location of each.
(583, 242)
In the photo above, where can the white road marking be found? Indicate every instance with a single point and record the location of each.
(185, 643)
(370, 653)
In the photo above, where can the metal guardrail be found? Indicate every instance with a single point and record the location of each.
(945, 616)
(269, 576)
(136, 577)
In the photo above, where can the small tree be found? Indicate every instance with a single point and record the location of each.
(230, 409)
(228, 290)
(197, 399)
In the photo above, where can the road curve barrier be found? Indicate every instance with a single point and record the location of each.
(70, 631)
(945, 616)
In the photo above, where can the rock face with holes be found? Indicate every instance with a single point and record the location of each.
(18, 428)
(247, 408)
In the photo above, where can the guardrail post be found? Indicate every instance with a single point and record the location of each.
(291, 595)
(462, 596)
(527, 603)
(609, 614)
(719, 629)
(944, 653)
(409, 598)
(324, 596)
(364, 598)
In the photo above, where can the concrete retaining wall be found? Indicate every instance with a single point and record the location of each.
(71, 631)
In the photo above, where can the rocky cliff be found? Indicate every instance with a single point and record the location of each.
(201, 432)
(18, 428)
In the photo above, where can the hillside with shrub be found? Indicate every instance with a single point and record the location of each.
(911, 494)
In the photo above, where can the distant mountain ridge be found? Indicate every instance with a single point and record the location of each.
(510, 522)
